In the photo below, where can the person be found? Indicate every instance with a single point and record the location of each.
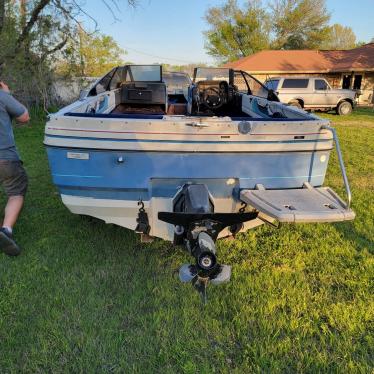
(13, 177)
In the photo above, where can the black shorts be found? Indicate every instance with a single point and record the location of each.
(13, 178)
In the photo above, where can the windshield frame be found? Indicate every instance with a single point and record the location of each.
(229, 79)
(169, 75)
(130, 73)
(125, 71)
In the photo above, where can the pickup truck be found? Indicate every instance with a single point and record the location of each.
(312, 93)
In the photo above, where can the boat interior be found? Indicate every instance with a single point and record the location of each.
(137, 90)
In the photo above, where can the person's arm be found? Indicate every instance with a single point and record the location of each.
(24, 118)
(15, 108)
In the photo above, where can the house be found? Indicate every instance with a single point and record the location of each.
(352, 68)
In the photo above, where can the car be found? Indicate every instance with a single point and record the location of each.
(312, 93)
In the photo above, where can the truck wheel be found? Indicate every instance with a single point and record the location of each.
(344, 108)
(296, 104)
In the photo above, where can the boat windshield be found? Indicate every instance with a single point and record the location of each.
(272, 84)
(210, 74)
(176, 79)
(144, 73)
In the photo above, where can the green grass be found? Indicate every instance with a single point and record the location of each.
(88, 297)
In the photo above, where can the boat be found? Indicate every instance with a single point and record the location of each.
(218, 156)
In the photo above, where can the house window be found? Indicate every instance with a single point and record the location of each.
(295, 83)
(346, 84)
(357, 82)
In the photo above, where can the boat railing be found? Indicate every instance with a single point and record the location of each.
(341, 164)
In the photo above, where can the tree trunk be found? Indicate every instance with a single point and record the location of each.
(81, 37)
(2, 14)
(33, 19)
(22, 11)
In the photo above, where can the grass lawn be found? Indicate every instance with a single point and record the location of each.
(88, 297)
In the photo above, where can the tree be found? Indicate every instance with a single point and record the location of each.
(340, 37)
(57, 18)
(236, 32)
(36, 33)
(100, 54)
(94, 56)
(299, 24)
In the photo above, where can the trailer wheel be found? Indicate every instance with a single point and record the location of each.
(344, 108)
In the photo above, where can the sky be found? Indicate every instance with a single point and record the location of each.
(171, 31)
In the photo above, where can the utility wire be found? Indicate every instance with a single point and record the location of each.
(155, 56)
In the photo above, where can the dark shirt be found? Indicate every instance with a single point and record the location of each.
(9, 108)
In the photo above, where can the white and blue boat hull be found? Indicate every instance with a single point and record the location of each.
(104, 166)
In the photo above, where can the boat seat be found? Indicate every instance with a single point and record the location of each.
(308, 204)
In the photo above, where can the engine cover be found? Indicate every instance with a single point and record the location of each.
(193, 198)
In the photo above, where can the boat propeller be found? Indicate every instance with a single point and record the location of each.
(206, 268)
(189, 273)
(196, 228)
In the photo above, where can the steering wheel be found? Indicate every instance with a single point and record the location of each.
(213, 98)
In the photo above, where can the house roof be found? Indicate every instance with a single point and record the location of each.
(308, 61)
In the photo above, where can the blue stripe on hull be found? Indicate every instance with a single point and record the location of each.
(159, 174)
